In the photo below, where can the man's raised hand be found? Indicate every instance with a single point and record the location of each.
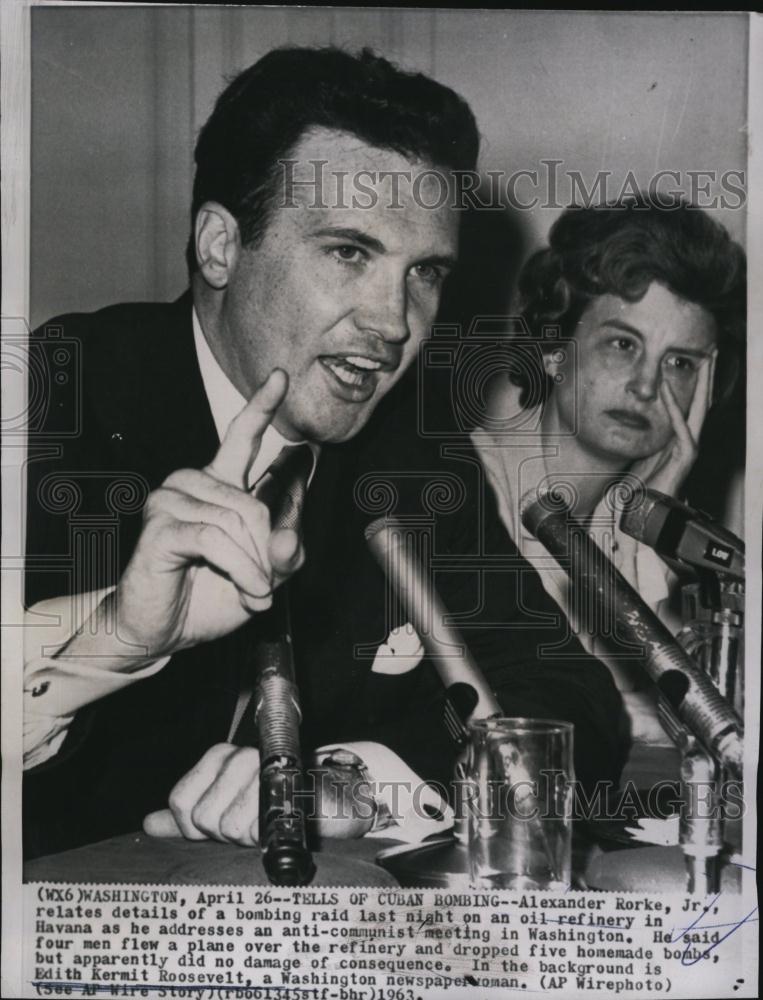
(206, 558)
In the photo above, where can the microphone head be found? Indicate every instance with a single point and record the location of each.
(645, 519)
(384, 535)
(537, 505)
(373, 529)
(678, 532)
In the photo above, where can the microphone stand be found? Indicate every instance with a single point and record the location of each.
(277, 715)
(282, 828)
(713, 609)
(697, 716)
(442, 861)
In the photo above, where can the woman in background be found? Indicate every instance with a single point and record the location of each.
(632, 328)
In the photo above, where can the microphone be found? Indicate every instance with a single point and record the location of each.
(676, 531)
(277, 715)
(283, 840)
(468, 695)
(690, 692)
(392, 545)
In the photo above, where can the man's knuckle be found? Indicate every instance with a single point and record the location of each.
(155, 502)
(203, 818)
(262, 603)
(233, 825)
(233, 522)
(248, 756)
(206, 532)
(260, 514)
(178, 801)
(178, 480)
(239, 766)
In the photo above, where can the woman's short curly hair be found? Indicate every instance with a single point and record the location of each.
(621, 249)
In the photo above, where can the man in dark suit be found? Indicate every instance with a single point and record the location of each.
(323, 231)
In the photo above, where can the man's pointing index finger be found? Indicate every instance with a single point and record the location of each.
(242, 441)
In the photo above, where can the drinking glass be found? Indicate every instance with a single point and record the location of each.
(519, 777)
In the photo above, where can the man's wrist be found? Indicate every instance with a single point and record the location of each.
(101, 642)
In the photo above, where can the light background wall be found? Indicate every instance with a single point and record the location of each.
(118, 95)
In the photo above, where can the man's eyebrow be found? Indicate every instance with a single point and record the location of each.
(619, 324)
(371, 243)
(354, 235)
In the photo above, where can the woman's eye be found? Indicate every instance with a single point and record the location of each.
(680, 364)
(428, 272)
(622, 344)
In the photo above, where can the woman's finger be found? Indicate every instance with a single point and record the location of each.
(680, 427)
(713, 365)
(701, 399)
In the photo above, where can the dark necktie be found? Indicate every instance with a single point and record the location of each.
(282, 489)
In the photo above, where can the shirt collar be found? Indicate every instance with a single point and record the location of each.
(226, 402)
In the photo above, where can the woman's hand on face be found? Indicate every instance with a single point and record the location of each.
(666, 470)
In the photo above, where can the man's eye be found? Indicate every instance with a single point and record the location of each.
(680, 364)
(348, 254)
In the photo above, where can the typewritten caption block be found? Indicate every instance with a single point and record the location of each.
(383, 944)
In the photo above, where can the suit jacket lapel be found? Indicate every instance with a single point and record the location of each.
(157, 405)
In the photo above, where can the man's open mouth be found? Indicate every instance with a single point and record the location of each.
(352, 369)
(354, 377)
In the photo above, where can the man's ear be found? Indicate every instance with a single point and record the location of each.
(218, 243)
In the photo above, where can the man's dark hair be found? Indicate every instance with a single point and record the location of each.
(265, 110)
(620, 249)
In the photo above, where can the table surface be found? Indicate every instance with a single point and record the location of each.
(138, 858)
(134, 857)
